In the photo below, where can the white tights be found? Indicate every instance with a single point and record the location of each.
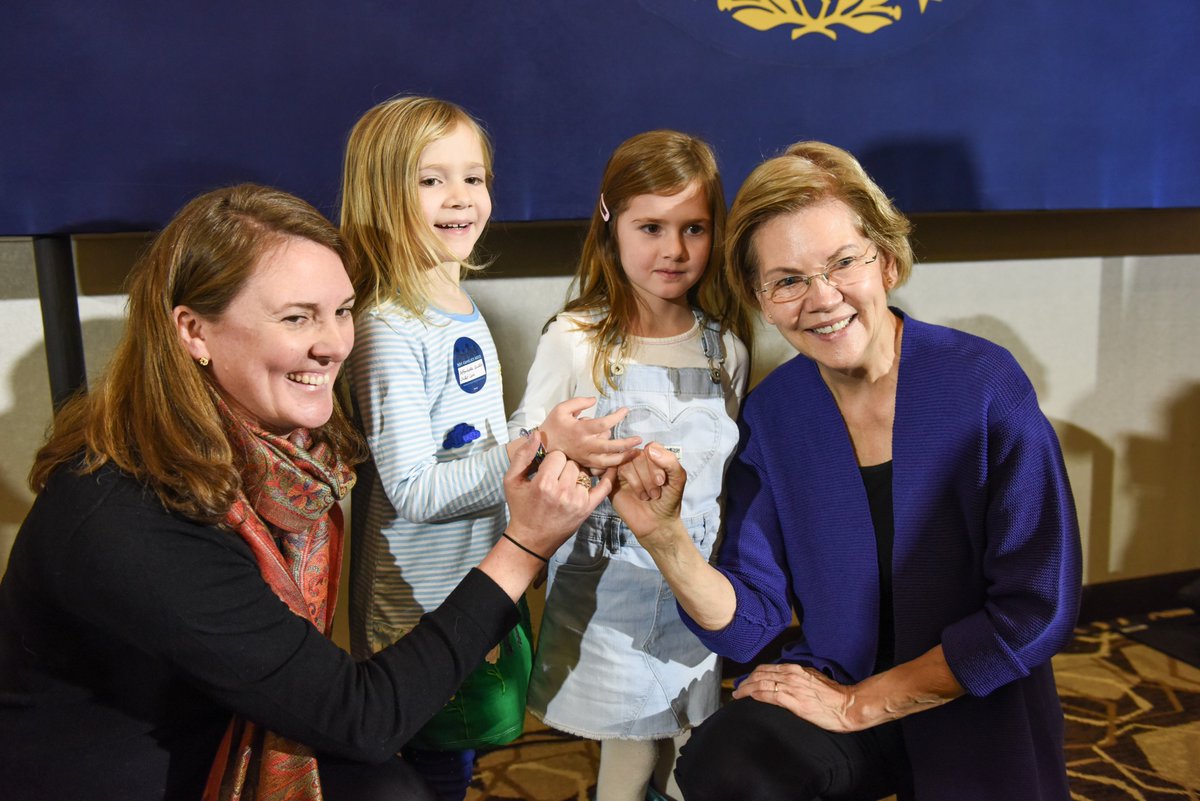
(628, 766)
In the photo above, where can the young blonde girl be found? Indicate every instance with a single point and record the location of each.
(656, 330)
(426, 388)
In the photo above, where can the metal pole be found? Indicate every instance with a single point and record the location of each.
(60, 316)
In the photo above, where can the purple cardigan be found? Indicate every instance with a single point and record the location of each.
(986, 560)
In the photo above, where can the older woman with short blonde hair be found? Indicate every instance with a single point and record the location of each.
(897, 489)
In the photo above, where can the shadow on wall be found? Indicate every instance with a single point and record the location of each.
(1162, 476)
(1148, 386)
(26, 424)
(1089, 459)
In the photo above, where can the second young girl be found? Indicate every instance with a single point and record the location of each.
(655, 329)
(426, 388)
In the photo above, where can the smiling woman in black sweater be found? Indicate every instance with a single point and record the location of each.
(165, 614)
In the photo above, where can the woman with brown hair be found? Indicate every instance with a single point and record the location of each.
(165, 615)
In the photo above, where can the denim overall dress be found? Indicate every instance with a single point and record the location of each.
(614, 660)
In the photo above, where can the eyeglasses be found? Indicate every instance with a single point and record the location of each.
(839, 273)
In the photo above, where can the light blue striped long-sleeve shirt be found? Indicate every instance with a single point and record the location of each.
(430, 505)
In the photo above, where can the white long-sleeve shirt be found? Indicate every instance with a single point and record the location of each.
(562, 367)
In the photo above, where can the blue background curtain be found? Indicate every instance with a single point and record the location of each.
(114, 114)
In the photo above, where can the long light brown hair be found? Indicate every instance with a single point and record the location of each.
(659, 162)
(807, 174)
(153, 411)
(391, 245)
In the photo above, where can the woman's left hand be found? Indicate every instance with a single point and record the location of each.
(805, 692)
(914, 686)
(546, 506)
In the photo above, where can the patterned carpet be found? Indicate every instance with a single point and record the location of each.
(542, 765)
(1133, 717)
(1132, 713)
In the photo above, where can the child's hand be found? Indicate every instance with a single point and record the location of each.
(545, 508)
(649, 492)
(588, 441)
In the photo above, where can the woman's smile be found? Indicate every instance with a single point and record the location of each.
(834, 327)
(309, 379)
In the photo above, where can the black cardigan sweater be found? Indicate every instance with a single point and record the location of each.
(129, 634)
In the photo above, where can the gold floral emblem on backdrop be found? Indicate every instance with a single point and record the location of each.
(864, 16)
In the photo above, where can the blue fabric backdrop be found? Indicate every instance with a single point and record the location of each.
(114, 114)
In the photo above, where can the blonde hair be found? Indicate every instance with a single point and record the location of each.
(391, 245)
(153, 412)
(659, 162)
(809, 173)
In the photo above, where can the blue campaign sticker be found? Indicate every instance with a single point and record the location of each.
(470, 371)
(462, 434)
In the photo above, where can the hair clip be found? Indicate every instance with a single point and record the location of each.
(604, 213)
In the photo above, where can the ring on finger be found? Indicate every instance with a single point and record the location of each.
(584, 480)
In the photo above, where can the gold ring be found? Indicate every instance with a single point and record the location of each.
(776, 686)
(584, 480)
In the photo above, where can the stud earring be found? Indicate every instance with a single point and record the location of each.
(203, 361)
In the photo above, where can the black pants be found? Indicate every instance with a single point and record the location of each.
(753, 751)
(393, 780)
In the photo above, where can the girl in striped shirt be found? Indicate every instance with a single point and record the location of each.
(426, 387)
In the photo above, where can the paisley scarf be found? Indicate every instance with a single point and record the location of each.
(287, 513)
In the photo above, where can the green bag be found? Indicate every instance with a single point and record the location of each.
(489, 707)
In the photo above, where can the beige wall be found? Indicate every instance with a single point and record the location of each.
(1109, 342)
